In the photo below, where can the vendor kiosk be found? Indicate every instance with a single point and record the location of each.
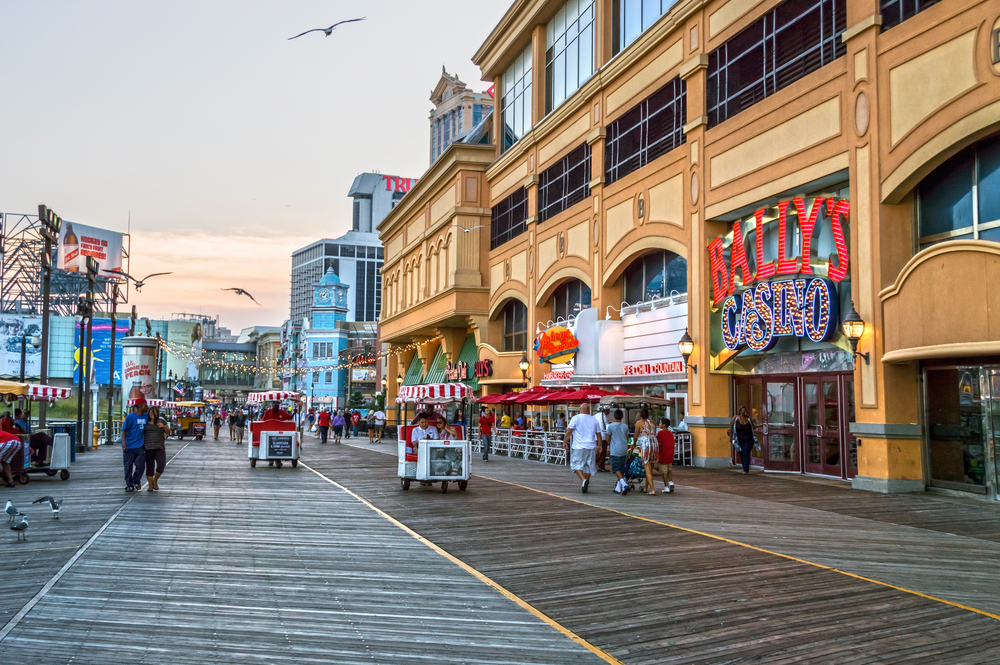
(56, 459)
(432, 461)
(274, 440)
(192, 424)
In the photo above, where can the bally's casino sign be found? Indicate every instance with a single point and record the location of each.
(792, 290)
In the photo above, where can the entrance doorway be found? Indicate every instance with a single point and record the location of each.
(802, 422)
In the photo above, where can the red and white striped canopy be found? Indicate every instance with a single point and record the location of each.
(37, 391)
(151, 402)
(434, 393)
(272, 396)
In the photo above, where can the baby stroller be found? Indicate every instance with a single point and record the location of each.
(635, 472)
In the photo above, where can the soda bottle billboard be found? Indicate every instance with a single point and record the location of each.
(138, 367)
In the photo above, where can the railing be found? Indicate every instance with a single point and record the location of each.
(102, 431)
(547, 446)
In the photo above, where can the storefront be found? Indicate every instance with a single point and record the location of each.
(780, 283)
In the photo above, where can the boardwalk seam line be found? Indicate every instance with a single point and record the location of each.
(597, 651)
(23, 612)
(732, 542)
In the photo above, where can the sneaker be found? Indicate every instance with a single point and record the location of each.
(129, 489)
(586, 484)
(626, 489)
(670, 488)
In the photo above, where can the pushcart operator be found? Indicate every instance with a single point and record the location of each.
(423, 430)
(276, 413)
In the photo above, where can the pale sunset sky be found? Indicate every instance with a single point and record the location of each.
(228, 145)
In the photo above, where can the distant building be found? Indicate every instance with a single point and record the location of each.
(457, 111)
(323, 338)
(268, 342)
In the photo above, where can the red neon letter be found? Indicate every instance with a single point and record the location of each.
(764, 270)
(738, 260)
(838, 272)
(720, 275)
(786, 266)
(388, 183)
(807, 223)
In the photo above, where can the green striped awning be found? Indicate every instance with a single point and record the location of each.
(414, 373)
(436, 372)
(470, 356)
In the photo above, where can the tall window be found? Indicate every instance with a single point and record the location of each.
(516, 99)
(895, 12)
(514, 317)
(509, 218)
(652, 128)
(791, 41)
(565, 183)
(569, 58)
(569, 299)
(630, 18)
(961, 198)
(477, 114)
(328, 378)
(654, 275)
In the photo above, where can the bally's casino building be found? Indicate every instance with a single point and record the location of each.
(810, 189)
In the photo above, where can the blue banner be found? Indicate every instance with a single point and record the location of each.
(101, 352)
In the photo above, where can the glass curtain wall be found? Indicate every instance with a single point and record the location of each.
(630, 18)
(569, 299)
(516, 100)
(569, 57)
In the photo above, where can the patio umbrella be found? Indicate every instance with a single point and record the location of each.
(519, 398)
(532, 396)
(587, 394)
(555, 397)
(495, 398)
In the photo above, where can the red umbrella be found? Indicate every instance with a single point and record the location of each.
(532, 396)
(587, 394)
(520, 398)
(495, 398)
(556, 396)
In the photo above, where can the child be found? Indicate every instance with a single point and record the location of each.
(666, 459)
(617, 437)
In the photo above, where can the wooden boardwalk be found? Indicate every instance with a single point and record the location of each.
(232, 564)
(646, 592)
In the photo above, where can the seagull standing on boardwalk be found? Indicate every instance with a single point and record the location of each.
(329, 30)
(21, 528)
(53, 504)
(243, 292)
(12, 512)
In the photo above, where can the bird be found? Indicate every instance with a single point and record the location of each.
(243, 292)
(139, 283)
(53, 503)
(469, 229)
(12, 512)
(330, 29)
(21, 527)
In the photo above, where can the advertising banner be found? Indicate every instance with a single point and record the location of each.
(12, 328)
(101, 351)
(138, 367)
(189, 338)
(362, 375)
(78, 241)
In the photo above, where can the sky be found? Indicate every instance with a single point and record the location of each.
(220, 144)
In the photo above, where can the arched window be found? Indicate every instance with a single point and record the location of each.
(654, 275)
(569, 299)
(514, 318)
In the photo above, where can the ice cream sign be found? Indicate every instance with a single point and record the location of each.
(804, 242)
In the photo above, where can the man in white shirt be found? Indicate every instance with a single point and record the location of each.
(379, 425)
(584, 429)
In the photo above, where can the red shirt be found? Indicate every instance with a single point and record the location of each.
(666, 440)
(276, 414)
(324, 419)
(485, 426)
(356, 418)
(6, 436)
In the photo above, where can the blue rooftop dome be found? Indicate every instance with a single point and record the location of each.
(330, 277)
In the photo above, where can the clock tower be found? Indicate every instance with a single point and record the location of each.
(329, 301)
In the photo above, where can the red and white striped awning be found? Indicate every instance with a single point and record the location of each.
(151, 402)
(432, 393)
(272, 396)
(37, 391)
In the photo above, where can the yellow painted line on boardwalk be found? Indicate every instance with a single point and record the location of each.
(603, 655)
(732, 542)
(751, 547)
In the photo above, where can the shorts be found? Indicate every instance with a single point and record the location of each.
(583, 459)
(239, 431)
(8, 450)
(619, 464)
(338, 430)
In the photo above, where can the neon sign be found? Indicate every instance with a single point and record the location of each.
(484, 369)
(808, 308)
(727, 279)
(556, 345)
(642, 369)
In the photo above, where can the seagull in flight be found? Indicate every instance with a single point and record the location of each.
(244, 292)
(53, 503)
(329, 30)
(469, 229)
(21, 528)
(12, 512)
(139, 283)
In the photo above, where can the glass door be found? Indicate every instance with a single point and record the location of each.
(780, 431)
(822, 425)
(851, 459)
(748, 394)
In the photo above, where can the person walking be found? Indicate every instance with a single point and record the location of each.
(216, 425)
(583, 429)
(239, 424)
(602, 444)
(379, 425)
(133, 438)
(338, 426)
(355, 422)
(232, 424)
(370, 423)
(155, 436)
(666, 441)
(617, 437)
(743, 437)
(485, 433)
(645, 438)
(324, 425)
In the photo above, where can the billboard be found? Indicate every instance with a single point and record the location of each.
(78, 241)
(362, 375)
(101, 351)
(189, 337)
(12, 328)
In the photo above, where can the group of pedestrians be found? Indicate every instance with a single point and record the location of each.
(345, 423)
(144, 435)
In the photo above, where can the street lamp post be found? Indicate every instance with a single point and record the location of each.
(51, 224)
(524, 365)
(83, 312)
(92, 270)
(111, 369)
(686, 346)
(854, 329)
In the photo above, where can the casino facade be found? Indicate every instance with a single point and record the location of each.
(769, 177)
